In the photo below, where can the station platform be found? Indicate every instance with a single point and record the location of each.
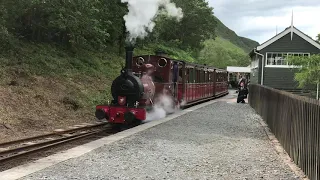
(219, 139)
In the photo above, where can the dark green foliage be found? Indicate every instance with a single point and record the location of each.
(197, 25)
(98, 24)
(82, 23)
(95, 26)
(4, 33)
(309, 71)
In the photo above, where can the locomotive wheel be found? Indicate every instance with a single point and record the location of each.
(137, 122)
(120, 127)
(129, 118)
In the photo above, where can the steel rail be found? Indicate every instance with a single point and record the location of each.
(9, 154)
(48, 145)
(51, 134)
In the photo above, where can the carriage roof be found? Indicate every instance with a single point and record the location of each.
(190, 64)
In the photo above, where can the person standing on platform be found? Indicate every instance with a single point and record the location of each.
(242, 90)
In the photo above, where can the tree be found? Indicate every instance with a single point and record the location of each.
(222, 53)
(309, 72)
(98, 24)
(197, 25)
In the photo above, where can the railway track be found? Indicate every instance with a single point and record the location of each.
(22, 147)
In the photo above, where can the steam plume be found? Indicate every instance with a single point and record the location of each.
(161, 108)
(140, 18)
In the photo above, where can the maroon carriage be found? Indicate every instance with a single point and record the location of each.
(201, 83)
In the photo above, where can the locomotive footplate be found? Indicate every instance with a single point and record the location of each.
(118, 114)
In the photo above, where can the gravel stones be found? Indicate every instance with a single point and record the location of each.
(219, 141)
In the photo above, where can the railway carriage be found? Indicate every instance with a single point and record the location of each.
(147, 79)
(202, 83)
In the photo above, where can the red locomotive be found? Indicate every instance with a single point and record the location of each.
(146, 79)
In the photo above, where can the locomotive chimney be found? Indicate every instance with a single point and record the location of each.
(129, 55)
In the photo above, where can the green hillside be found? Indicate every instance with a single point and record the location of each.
(222, 53)
(224, 32)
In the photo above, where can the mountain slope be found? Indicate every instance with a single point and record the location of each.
(222, 53)
(224, 32)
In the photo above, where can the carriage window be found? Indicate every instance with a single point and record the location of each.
(196, 78)
(191, 74)
(180, 75)
(205, 76)
(186, 75)
(211, 76)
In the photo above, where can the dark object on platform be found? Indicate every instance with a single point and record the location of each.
(242, 95)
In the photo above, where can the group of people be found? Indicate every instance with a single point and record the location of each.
(242, 90)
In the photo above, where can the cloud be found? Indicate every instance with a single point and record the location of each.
(258, 19)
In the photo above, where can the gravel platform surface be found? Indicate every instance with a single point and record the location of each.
(220, 141)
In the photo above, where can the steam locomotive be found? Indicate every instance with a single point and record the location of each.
(146, 80)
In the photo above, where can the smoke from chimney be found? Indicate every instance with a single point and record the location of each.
(140, 19)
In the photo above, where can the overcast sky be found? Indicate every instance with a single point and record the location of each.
(258, 19)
